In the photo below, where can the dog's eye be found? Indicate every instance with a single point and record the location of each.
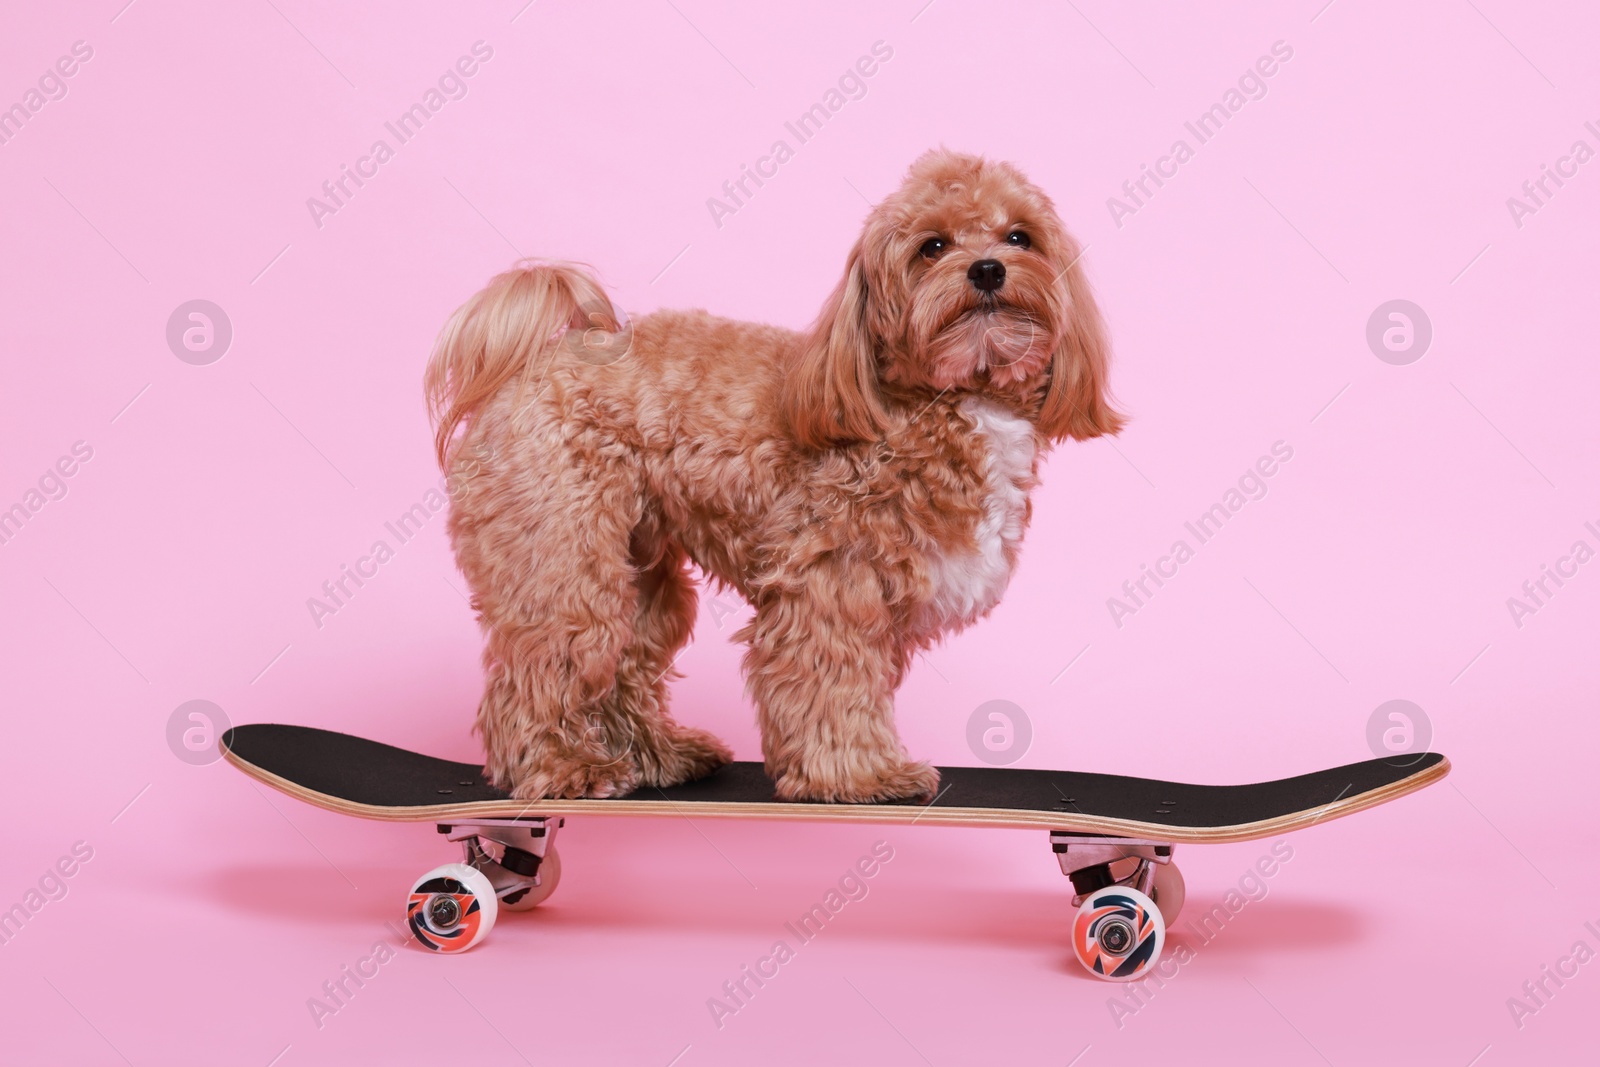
(933, 248)
(1018, 239)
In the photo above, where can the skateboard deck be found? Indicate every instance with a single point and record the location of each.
(357, 776)
(1113, 836)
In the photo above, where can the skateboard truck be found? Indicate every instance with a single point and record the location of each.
(1127, 891)
(1087, 860)
(512, 854)
(508, 863)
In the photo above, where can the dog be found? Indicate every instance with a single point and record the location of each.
(864, 485)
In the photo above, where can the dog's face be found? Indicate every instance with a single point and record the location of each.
(963, 269)
(964, 280)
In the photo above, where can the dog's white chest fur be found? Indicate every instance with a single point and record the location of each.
(967, 583)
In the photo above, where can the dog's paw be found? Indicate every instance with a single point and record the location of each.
(568, 780)
(900, 780)
(685, 755)
(909, 781)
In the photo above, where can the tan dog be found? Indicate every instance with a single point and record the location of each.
(863, 485)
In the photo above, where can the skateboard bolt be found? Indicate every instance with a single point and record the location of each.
(444, 912)
(1116, 937)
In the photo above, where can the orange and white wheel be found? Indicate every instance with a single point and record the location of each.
(533, 896)
(452, 908)
(1118, 934)
(1168, 892)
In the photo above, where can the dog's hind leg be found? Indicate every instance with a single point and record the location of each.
(542, 533)
(666, 752)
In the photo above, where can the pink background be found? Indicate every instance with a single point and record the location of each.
(1419, 499)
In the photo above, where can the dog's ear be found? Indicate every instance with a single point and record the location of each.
(830, 391)
(1078, 402)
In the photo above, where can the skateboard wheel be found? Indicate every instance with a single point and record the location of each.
(533, 896)
(1168, 892)
(452, 908)
(1118, 934)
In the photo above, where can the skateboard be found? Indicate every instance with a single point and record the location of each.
(1113, 836)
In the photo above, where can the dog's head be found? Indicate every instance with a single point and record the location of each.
(963, 281)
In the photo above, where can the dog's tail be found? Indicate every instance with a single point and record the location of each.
(508, 331)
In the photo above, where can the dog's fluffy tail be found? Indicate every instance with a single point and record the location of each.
(507, 332)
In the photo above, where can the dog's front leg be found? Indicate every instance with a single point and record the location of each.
(823, 664)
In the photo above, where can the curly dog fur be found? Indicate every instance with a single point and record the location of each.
(864, 485)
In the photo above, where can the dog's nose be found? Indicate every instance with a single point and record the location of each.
(987, 274)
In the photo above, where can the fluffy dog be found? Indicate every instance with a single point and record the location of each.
(864, 485)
